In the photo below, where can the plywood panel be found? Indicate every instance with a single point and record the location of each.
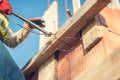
(51, 22)
(76, 5)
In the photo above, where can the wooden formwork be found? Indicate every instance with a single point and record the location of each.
(78, 21)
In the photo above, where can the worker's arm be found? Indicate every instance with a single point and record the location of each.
(14, 39)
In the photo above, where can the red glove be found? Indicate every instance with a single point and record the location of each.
(5, 7)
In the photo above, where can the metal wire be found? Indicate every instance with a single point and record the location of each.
(68, 50)
(48, 3)
(34, 32)
(66, 7)
(48, 34)
(113, 31)
(37, 33)
(61, 40)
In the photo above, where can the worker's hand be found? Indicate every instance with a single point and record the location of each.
(5, 7)
(37, 21)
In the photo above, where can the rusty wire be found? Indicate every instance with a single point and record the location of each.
(66, 7)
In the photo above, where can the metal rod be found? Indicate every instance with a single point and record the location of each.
(66, 7)
(48, 3)
(33, 24)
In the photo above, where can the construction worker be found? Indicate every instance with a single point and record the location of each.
(6, 35)
(8, 68)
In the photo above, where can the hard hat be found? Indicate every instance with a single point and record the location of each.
(5, 7)
(4, 0)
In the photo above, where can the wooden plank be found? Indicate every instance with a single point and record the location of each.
(81, 18)
(108, 69)
(76, 5)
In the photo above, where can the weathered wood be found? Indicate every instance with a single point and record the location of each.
(81, 18)
(76, 5)
(108, 69)
(91, 34)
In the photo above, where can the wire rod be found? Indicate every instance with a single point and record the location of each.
(113, 31)
(34, 32)
(33, 24)
(66, 7)
(48, 3)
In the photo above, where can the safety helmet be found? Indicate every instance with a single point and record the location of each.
(4, 0)
(5, 7)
